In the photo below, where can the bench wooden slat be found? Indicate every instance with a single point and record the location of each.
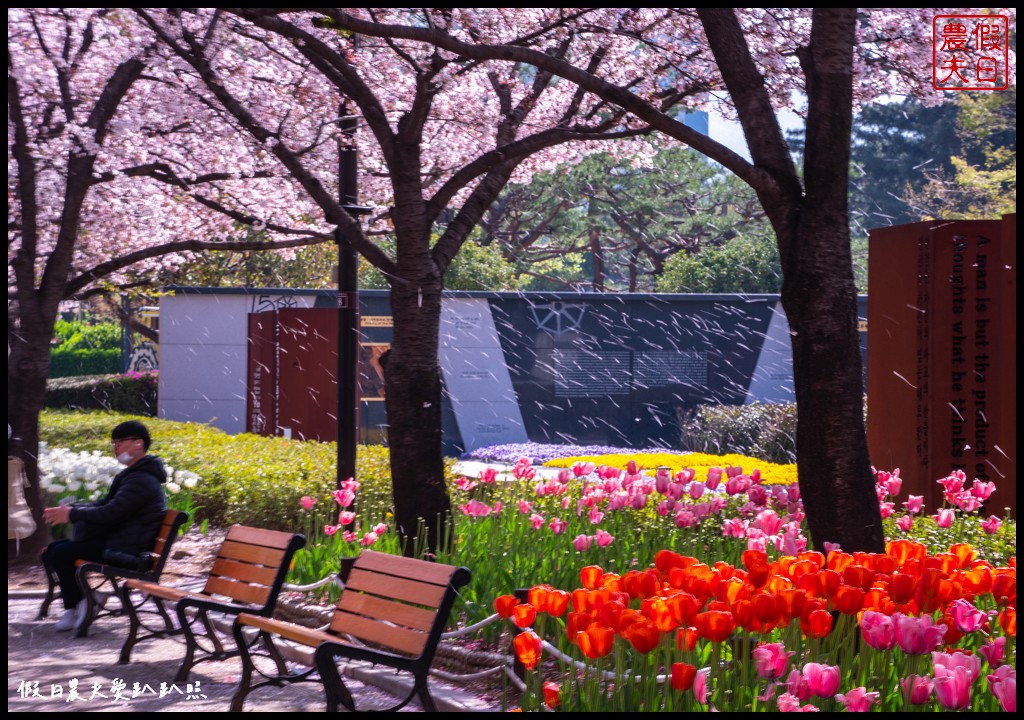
(259, 536)
(253, 554)
(244, 572)
(400, 566)
(237, 591)
(382, 610)
(403, 640)
(398, 588)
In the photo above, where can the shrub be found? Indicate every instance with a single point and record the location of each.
(134, 393)
(247, 479)
(85, 349)
(763, 430)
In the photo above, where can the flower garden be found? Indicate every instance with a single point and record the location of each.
(657, 581)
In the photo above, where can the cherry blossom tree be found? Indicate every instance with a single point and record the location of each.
(438, 139)
(111, 165)
(754, 62)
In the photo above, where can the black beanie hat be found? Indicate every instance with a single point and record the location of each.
(131, 429)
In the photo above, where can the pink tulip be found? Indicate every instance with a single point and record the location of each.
(769, 522)
(686, 518)
(791, 703)
(579, 469)
(948, 661)
(714, 477)
(368, 539)
(596, 516)
(886, 509)
(380, 529)
(344, 497)
(1003, 684)
(734, 527)
(878, 630)
(858, 699)
(700, 685)
(917, 689)
(582, 542)
(536, 521)
(771, 659)
(905, 523)
(992, 525)
(994, 651)
(665, 507)
(331, 529)
(557, 526)
(638, 501)
(758, 494)
(475, 508)
(823, 680)
(952, 688)
(696, 489)
(831, 547)
(348, 536)
(917, 636)
(797, 686)
(914, 504)
(346, 517)
(894, 484)
(307, 502)
(603, 538)
(966, 617)
(954, 482)
(982, 490)
(944, 518)
(488, 475)
(465, 484)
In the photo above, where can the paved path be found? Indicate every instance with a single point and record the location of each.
(50, 671)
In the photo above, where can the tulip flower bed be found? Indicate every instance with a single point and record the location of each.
(900, 631)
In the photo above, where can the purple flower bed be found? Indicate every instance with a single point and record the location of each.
(540, 453)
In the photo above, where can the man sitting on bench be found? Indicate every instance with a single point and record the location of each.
(116, 529)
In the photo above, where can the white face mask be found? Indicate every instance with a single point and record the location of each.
(124, 458)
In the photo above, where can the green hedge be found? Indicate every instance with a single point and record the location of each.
(247, 479)
(84, 361)
(134, 393)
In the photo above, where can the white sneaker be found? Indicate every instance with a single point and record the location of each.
(81, 610)
(67, 620)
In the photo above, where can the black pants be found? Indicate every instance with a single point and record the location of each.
(60, 558)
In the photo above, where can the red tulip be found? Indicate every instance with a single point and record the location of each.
(642, 635)
(686, 638)
(682, 676)
(524, 614)
(715, 625)
(503, 605)
(528, 648)
(596, 641)
(552, 694)
(590, 576)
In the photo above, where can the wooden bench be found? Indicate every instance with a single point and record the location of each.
(392, 612)
(112, 574)
(247, 576)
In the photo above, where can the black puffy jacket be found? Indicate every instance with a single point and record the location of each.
(129, 516)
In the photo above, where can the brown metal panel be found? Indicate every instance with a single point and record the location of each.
(307, 365)
(941, 321)
(261, 398)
